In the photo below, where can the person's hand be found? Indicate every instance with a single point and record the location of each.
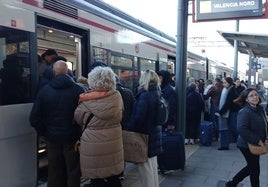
(170, 128)
(261, 143)
(217, 114)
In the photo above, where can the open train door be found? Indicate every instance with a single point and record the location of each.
(71, 43)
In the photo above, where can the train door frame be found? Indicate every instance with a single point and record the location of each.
(172, 59)
(83, 53)
(17, 137)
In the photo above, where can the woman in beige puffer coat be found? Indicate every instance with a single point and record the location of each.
(101, 151)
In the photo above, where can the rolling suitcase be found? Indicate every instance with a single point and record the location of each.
(173, 156)
(206, 132)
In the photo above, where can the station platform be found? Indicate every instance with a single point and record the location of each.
(205, 167)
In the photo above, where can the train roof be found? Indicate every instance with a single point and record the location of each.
(108, 12)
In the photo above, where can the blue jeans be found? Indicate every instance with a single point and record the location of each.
(224, 138)
(233, 126)
(214, 119)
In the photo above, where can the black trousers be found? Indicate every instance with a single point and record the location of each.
(63, 165)
(112, 181)
(252, 169)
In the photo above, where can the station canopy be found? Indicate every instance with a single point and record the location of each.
(248, 43)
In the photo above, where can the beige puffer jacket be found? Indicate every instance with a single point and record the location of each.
(101, 151)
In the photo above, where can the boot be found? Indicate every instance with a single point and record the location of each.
(230, 184)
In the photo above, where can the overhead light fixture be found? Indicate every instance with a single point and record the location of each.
(50, 31)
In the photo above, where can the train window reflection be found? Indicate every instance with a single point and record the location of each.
(122, 61)
(100, 55)
(14, 66)
(163, 66)
(147, 64)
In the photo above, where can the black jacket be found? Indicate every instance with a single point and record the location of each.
(251, 125)
(128, 100)
(53, 111)
(229, 104)
(169, 95)
(143, 119)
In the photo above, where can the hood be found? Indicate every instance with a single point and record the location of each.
(166, 78)
(61, 82)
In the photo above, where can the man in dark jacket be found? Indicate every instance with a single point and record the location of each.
(169, 95)
(128, 100)
(52, 116)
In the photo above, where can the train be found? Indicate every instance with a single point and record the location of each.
(83, 32)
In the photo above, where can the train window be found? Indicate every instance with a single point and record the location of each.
(163, 66)
(147, 64)
(100, 55)
(121, 61)
(128, 77)
(14, 66)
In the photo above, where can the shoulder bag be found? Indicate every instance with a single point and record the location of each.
(135, 147)
(78, 142)
(259, 149)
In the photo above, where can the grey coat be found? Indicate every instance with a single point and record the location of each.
(251, 125)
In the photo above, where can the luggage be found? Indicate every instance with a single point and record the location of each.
(173, 156)
(206, 132)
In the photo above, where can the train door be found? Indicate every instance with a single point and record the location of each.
(71, 43)
(17, 137)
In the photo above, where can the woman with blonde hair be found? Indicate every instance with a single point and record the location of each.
(101, 151)
(143, 120)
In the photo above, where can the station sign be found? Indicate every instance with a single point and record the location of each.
(227, 9)
(264, 63)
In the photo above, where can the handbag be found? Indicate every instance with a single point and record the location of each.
(258, 149)
(78, 142)
(135, 147)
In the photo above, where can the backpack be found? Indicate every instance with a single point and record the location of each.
(128, 101)
(162, 111)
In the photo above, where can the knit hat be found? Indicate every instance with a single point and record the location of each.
(229, 80)
(97, 64)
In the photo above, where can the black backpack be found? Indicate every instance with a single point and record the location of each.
(128, 101)
(162, 111)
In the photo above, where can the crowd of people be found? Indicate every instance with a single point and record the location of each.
(237, 116)
(63, 106)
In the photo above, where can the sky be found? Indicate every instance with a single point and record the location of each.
(163, 16)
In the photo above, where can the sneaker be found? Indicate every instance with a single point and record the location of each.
(191, 141)
(186, 141)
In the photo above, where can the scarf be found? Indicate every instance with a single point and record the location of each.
(223, 98)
